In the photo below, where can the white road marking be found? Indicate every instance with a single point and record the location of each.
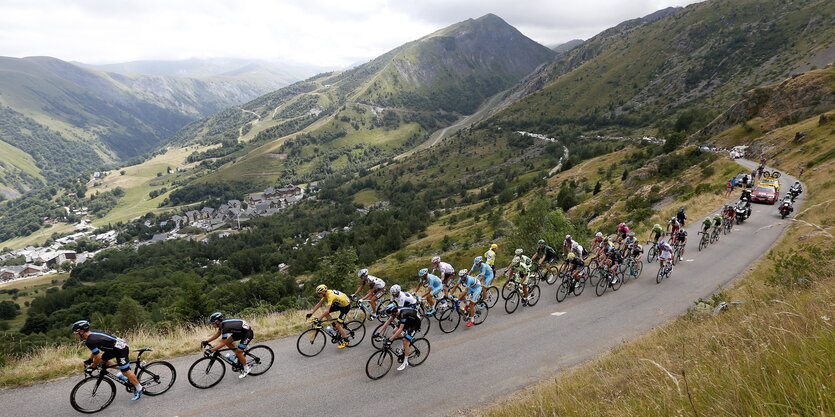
(689, 260)
(558, 313)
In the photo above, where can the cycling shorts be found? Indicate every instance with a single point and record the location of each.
(378, 293)
(488, 280)
(410, 327)
(121, 356)
(518, 277)
(436, 290)
(575, 266)
(658, 235)
(243, 338)
(343, 311)
(474, 293)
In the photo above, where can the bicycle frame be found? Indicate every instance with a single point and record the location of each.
(103, 373)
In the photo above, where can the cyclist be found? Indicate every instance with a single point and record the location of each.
(629, 242)
(706, 223)
(445, 270)
(576, 263)
(681, 242)
(623, 230)
(717, 223)
(490, 257)
(656, 232)
(672, 228)
(681, 216)
(472, 293)
(637, 251)
(434, 286)
(545, 255)
(518, 270)
(376, 289)
(579, 250)
(485, 273)
(566, 244)
(597, 243)
(665, 253)
(104, 347)
(402, 298)
(408, 324)
(231, 331)
(336, 301)
(614, 258)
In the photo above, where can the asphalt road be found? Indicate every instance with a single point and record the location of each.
(465, 369)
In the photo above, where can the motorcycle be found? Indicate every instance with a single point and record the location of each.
(742, 212)
(793, 193)
(785, 209)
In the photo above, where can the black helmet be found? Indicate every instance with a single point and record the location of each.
(215, 317)
(391, 309)
(81, 325)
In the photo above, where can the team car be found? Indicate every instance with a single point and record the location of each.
(764, 194)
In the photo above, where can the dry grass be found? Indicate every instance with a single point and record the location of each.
(55, 362)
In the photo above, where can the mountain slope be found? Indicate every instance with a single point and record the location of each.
(106, 116)
(701, 57)
(357, 117)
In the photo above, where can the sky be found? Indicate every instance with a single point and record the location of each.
(333, 33)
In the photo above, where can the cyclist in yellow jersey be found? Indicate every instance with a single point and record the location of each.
(334, 301)
(490, 257)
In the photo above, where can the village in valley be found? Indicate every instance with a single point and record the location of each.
(35, 261)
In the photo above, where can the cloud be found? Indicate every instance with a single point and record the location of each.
(324, 32)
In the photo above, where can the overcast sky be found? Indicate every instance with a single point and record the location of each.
(320, 32)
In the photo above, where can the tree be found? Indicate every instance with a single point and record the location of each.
(596, 188)
(130, 315)
(567, 197)
(9, 310)
(336, 271)
(36, 323)
(192, 305)
(625, 175)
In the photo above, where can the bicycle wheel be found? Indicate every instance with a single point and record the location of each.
(480, 314)
(418, 351)
(425, 324)
(491, 296)
(448, 320)
(579, 286)
(508, 288)
(358, 313)
(618, 281)
(157, 377)
(444, 303)
(260, 359)
(596, 274)
(92, 395)
(311, 342)
(533, 295)
(702, 242)
(602, 284)
(512, 302)
(206, 372)
(382, 316)
(652, 254)
(551, 276)
(562, 290)
(356, 332)
(659, 276)
(637, 269)
(379, 364)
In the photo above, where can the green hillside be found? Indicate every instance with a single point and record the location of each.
(698, 60)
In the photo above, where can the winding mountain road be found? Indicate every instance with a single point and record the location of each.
(466, 369)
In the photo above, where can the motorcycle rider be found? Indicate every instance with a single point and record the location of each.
(681, 216)
(786, 206)
(795, 190)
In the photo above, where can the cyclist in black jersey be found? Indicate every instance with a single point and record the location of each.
(231, 331)
(681, 241)
(103, 348)
(544, 254)
(409, 324)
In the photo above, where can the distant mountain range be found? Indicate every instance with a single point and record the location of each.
(281, 72)
(60, 118)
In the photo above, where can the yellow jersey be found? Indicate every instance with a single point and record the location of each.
(336, 297)
(490, 257)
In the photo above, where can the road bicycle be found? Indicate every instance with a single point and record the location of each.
(631, 267)
(312, 341)
(607, 280)
(389, 330)
(514, 297)
(361, 309)
(379, 363)
(98, 388)
(727, 225)
(714, 234)
(652, 252)
(703, 242)
(665, 271)
(546, 272)
(209, 370)
(571, 285)
(450, 317)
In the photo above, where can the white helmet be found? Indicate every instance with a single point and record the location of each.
(518, 251)
(599, 234)
(436, 259)
(395, 289)
(463, 273)
(362, 273)
(567, 237)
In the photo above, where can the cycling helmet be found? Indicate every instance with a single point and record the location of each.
(631, 234)
(436, 259)
(391, 309)
(681, 210)
(518, 252)
(395, 289)
(567, 237)
(674, 219)
(321, 289)
(494, 246)
(622, 224)
(598, 234)
(215, 317)
(571, 256)
(478, 260)
(575, 245)
(423, 272)
(362, 273)
(540, 242)
(463, 273)
(81, 325)
(707, 219)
